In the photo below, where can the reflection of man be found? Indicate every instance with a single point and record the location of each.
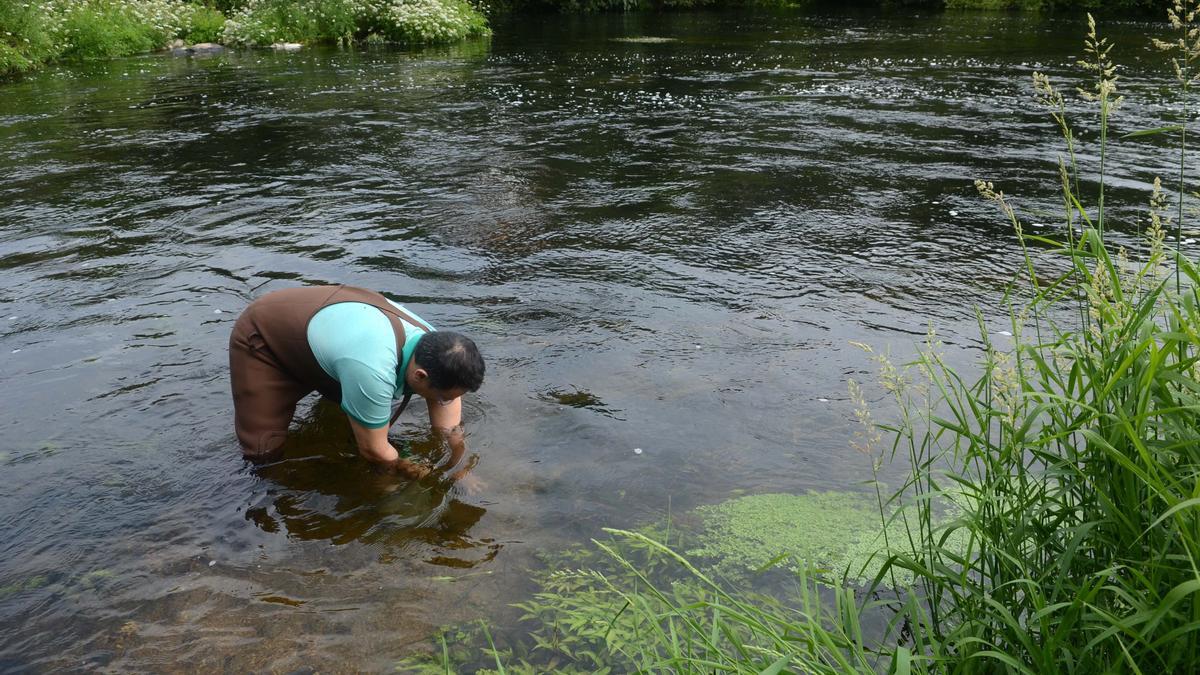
(357, 348)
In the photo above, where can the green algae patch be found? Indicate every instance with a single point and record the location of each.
(30, 584)
(834, 533)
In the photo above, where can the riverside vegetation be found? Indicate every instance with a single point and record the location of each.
(1049, 521)
(34, 32)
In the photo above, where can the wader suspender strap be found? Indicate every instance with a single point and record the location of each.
(416, 324)
(403, 405)
(408, 317)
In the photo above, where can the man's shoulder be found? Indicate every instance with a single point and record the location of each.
(350, 315)
(351, 329)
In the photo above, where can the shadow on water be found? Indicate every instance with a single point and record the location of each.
(322, 490)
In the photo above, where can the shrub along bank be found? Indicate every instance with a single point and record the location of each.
(33, 32)
(263, 22)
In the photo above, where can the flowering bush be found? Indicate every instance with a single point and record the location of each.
(26, 36)
(106, 28)
(35, 31)
(432, 21)
(263, 22)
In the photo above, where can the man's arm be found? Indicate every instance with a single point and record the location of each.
(373, 445)
(446, 420)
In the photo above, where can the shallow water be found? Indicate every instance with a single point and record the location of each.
(663, 244)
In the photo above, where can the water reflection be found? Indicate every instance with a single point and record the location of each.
(322, 490)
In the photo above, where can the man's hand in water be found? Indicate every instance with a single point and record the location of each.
(469, 483)
(403, 467)
(373, 444)
(446, 422)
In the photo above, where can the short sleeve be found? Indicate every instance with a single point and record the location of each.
(366, 393)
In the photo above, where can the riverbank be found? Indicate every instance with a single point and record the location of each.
(36, 32)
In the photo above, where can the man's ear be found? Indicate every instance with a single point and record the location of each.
(420, 374)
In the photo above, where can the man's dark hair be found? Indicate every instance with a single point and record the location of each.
(451, 359)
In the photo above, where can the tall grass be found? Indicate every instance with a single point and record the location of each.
(638, 606)
(1074, 457)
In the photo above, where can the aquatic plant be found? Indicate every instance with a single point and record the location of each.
(632, 604)
(31, 584)
(835, 536)
(630, 600)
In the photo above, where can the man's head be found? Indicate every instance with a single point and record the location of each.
(447, 362)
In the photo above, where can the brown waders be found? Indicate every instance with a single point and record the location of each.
(272, 367)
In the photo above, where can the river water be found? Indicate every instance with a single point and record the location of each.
(663, 244)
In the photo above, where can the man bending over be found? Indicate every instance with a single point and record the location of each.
(356, 348)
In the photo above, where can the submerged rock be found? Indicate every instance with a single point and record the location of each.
(200, 49)
(646, 40)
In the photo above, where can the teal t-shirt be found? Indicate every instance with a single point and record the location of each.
(354, 344)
